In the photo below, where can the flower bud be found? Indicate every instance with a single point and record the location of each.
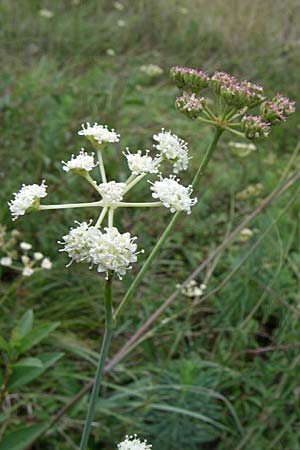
(188, 79)
(190, 105)
(255, 127)
(277, 110)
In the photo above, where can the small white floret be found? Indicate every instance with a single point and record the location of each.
(173, 195)
(173, 148)
(26, 199)
(99, 132)
(6, 261)
(111, 192)
(27, 272)
(83, 162)
(38, 256)
(113, 251)
(46, 264)
(133, 443)
(78, 242)
(25, 246)
(139, 164)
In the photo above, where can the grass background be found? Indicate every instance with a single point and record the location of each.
(241, 344)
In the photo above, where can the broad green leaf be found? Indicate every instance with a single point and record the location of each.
(23, 327)
(29, 362)
(25, 375)
(21, 438)
(36, 335)
(1, 377)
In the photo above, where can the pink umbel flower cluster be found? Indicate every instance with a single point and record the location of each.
(228, 110)
(278, 109)
(191, 105)
(255, 127)
(237, 94)
(189, 79)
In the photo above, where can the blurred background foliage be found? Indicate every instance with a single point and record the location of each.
(217, 373)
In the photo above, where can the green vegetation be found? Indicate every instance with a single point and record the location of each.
(219, 371)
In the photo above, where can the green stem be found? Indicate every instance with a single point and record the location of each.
(138, 205)
(163, 237)
(102, 358)
(101, 166)
(70, 205)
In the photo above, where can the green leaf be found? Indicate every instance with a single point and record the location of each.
(21, 438)
(29, 362)
(23, 327)
(4, 345)
(22, 375)
(35, 336)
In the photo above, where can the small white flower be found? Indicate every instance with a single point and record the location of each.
(99, 132)
(77, 243)
(25, 246)
(172, 148)
(38, 256)
(113, 251)
(110, 52)
(25, 260)
(112, 192)
(26, 199)
(152, 70)
(6, 261)
(83, 162)
(133, 443)
(173, 195)
(140, 164)
(46, 264)
(119, 6)
(46, 13)
(121, 23)
(27, 271)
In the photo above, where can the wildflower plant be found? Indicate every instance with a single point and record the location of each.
(19, 256)
(100, 244)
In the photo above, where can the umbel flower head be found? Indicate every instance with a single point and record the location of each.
(81, 163)
(140, 164)
(189, 79)
(232, 101)
(91, 242)
(173, 148)
(27, 199)
(277, 110)
(133, 443)
(78, 242)
(173, 195)
(190, 105)
(100, 133)
(114, 251)
(109, 250)
(255, 127)
(111, 192)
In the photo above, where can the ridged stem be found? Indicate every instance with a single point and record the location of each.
(101, 362)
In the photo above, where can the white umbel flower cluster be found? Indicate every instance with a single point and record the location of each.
(114, 251)
(173, 195)
(172, 148)
(111, 192)
(83, 162)
(99, 132)
(109, 250)
(78, 242)
(26, 199)
(139, 164)
(133, 443)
